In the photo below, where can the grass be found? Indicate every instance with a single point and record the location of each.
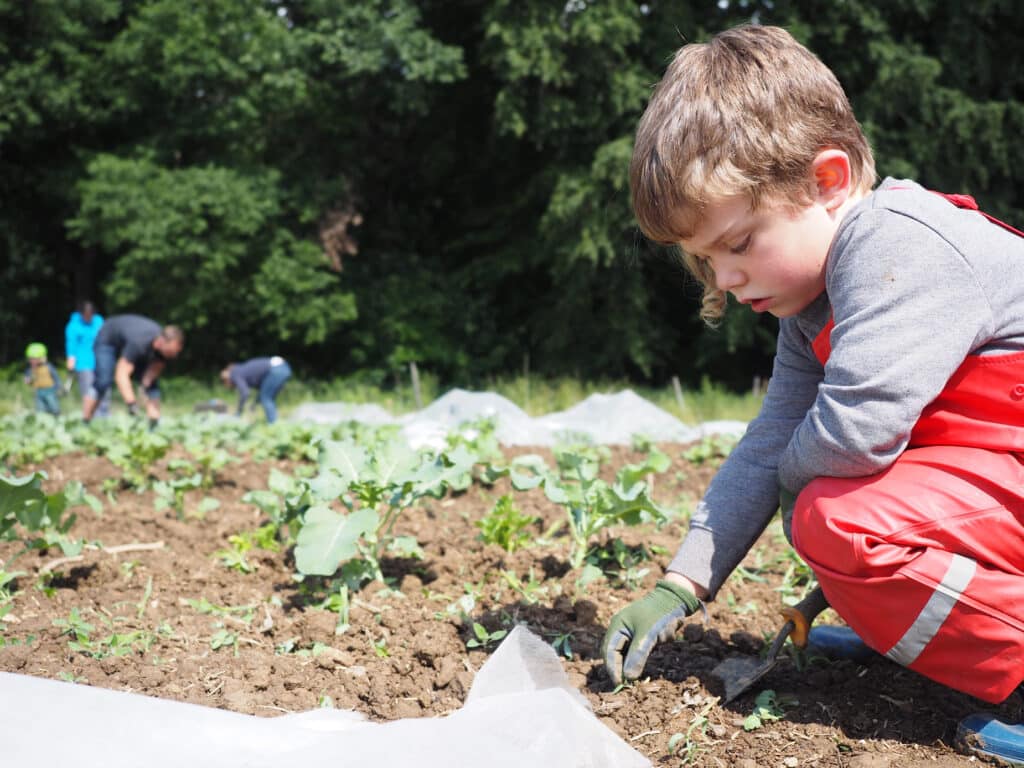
(535, 395)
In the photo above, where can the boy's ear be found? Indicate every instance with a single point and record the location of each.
(832, 180)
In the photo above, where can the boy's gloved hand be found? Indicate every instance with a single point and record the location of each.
(637, 628)
(153, 424)
(133, 409)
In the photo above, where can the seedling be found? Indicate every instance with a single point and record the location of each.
(748, 607)
(209, 461)
(685, 745)
(76, 627)
(136, 452)
(478, 437)
(712, 449)
(140, 608)
(224, 638)
(171, 493)
(530, 591)
(505, 525)
(114, 644)
(338, 602)
(620, 563)
(233, 557)
(768, 707)
(562, 643)
(6, 585)
(641, 443)
(482, 638)
(380, 648)
(240, 613)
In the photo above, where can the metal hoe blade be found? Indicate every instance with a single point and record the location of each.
(739, 674)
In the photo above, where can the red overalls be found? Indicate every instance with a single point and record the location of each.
(925, 560)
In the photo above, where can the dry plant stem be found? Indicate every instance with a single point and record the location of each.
(56, 563)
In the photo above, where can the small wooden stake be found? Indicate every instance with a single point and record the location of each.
(415, 374)
(678, 389)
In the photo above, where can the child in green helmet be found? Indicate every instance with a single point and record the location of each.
(43, 378)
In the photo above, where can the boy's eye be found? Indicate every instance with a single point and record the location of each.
(741, 246)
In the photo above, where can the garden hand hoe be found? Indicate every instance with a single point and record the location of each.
(739, 674)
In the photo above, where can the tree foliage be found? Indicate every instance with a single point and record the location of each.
(362, 184)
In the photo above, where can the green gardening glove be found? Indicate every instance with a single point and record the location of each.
(637, 628)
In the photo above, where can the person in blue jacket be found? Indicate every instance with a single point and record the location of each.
(265, 374)
(43, 378)
(79, 336)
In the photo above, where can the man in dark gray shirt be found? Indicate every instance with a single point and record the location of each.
(265, 374)
(132, 347)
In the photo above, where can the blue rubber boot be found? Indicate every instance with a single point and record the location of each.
(837, 643)
(986, 736)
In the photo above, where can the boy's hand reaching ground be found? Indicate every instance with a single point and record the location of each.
(637, 628)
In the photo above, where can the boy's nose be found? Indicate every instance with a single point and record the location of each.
(727, 279)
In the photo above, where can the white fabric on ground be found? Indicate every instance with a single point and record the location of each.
(520, 712)
(613, 419)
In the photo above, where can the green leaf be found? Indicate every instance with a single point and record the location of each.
(751, 722)
(208, 504)
(328, 538)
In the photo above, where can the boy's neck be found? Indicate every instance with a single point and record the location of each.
(839, 215)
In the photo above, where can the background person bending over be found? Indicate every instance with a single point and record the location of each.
(268, 374)
(79, 337)
(132, 347)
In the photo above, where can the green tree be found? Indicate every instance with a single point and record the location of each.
(433, 180)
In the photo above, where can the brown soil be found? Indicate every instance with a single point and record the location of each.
(405, 656)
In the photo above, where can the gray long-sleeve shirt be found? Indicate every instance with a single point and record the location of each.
(914, 285)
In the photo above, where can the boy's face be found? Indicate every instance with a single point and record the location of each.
(772, 259)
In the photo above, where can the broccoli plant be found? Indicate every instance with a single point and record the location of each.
(39, 520)
(373, 489)
(591, 504)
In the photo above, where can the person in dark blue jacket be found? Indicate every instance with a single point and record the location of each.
(265, 374)
(79, 336)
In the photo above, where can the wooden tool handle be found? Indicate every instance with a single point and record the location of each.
(803, 615)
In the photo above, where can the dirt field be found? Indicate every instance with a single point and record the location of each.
(405, 655)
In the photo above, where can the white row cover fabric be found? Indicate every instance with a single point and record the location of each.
(613, 419)
(521, 712)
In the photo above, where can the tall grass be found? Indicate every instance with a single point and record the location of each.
(710, 402)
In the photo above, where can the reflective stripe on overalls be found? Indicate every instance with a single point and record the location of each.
(925, 560)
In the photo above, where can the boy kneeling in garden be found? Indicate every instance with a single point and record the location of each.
(892, 431)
